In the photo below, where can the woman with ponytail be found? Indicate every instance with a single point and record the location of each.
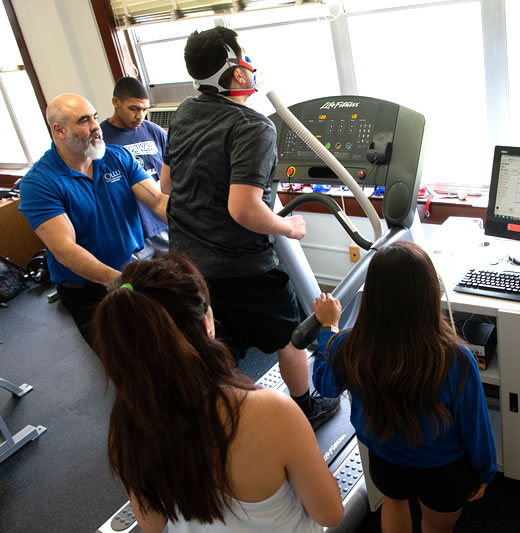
(197, 447)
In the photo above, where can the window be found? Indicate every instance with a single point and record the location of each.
(296, 67)
(276, 41)
(430, 59)
(25, 136)
(455, 61)
(513, 53)
(353, 6)
(161, 48)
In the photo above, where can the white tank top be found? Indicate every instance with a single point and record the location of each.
(282, 512)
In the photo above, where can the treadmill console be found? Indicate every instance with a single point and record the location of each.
(343, 127)
(379, 142)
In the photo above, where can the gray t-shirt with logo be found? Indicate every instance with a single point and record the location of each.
(213, 143)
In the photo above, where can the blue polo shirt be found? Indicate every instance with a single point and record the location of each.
(103, 210)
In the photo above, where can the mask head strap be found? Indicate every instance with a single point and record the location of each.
(232, 61)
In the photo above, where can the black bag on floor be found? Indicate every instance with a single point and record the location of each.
(12, 279)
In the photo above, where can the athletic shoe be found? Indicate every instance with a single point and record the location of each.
(322, 409)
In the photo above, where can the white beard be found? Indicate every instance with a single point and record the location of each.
(86, 149)
(95, 151)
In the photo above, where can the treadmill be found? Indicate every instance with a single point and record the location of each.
(379, 144)
(376, 143)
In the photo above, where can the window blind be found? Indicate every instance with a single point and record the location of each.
(135, 12)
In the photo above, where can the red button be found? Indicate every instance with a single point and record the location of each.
(361, 174)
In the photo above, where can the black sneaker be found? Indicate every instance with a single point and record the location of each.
(322, 409)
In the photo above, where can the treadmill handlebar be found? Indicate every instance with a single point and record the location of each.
(309, 329)
(348, 287)
(334, 208)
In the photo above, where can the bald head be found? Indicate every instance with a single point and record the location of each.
(65, 106)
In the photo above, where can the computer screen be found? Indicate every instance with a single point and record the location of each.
(503, 211)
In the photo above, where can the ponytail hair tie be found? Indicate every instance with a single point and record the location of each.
(127, 286)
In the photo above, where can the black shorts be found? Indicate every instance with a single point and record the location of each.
(444, 488)
(256, 311)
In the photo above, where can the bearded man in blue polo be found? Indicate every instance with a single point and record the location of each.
(80, 199)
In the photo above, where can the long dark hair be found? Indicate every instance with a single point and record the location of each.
(401, 346)
(173, 417)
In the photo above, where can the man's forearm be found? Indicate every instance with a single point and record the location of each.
(148, 192)
(260, 219)
(165, 179)
(160, 208)
(84, 264)
(247, 208)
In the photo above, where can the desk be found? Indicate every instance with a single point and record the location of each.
(464, 252)
(18, 242)
(439, 209)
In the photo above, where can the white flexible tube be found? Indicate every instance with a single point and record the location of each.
(310, 140)
(450, 312)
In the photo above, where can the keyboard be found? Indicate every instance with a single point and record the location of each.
(503, 285)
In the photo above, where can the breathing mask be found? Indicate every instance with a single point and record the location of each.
(232, 61)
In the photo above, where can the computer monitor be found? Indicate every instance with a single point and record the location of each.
(503, 211)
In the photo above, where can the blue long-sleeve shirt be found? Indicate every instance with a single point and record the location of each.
(470, 432)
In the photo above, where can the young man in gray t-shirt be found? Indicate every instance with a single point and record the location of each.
(222, 158)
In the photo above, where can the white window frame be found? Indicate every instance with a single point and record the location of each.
(12, 102)
(21, 139)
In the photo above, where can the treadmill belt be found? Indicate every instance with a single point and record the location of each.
(334, 434)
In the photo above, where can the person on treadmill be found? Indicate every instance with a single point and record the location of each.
(194, 443)
(417, 399)
(222, 157)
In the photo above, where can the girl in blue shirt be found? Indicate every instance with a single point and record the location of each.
(417, 399)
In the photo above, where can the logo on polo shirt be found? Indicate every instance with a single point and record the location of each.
(112, 176)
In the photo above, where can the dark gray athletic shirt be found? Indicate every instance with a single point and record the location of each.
(213, 143)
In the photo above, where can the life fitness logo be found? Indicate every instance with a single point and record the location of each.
(338, 105)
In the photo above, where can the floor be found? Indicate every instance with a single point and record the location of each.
(61, 481)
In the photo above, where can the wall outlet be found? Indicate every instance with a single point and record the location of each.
(353, 251)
